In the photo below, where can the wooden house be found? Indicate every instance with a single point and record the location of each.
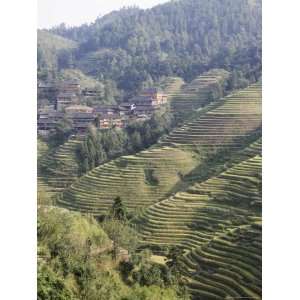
(158, 97)
(66, 99)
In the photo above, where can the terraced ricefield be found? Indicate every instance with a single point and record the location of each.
(206, 209)
(198, 93)
(172, 85)
(147, 177)
(217, 223)
(228, 266)
(217, 220)
(140, 180)
(226, 125)
(42, 148)
(58, 170)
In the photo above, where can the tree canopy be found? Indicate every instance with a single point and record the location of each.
(133, 47)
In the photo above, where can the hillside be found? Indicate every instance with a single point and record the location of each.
(50, 48)
(215, 221)
(61, 167)
(199, 189)
(191, 37)
(84, 80)
(167, 205)
(234, 117)
(58, 168)
(174, 163)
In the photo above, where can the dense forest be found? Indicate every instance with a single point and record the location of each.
(134, 47)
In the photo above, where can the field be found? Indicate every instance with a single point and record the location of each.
(233, 118)
(198, 188)
(140, 179)
(58, 169)
(199, 92)
(215, 221)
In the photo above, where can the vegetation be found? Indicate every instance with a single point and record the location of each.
(106, 90)
(100, 146)
(49, 48)
(74, 158)
(171, 160)
(73, 261)
(168, 208)
(192, 219)
(191, 37)
(208, 220)
(57, 169)
(61, 133)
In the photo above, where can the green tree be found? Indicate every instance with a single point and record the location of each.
(51, 286)
(61, 133)
(136, 141)
(121, 234)
(118, 210)
(174, 262)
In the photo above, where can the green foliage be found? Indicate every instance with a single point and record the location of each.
(56, 229)
(153, 292)
(52, 51)
(62, 131)
(100, 146)
(66, 243)
(143, 271)
(122, 235)
(118, 210)
(71, 264)
(136, 47)
(174, 256)
(51, 286)
(150, 178)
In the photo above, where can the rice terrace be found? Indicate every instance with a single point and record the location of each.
(150, 154)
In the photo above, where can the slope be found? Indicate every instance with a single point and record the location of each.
(180, 38)
(59, 168)
(150, 175)
(50, 47)
(217, 223)
(226, 124)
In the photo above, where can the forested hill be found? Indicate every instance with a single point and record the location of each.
(134, 47)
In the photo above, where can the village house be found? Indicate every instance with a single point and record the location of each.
(78, 109)
(144, 105)
(158, 97)
(107, 110)
(81, 120)
(66, 99)
(109, 121)
(47, 120)
(148, 101)
(70, 86)
(46, 93)
(68, 105)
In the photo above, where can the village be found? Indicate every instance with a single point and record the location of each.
(64, 99)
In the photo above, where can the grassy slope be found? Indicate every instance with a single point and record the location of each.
(58, 168)
(206, 220)
(215, 220)
(128, 175)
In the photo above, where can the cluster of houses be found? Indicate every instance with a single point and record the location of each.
(58, 101)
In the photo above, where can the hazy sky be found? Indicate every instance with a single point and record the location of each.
(76, 12)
